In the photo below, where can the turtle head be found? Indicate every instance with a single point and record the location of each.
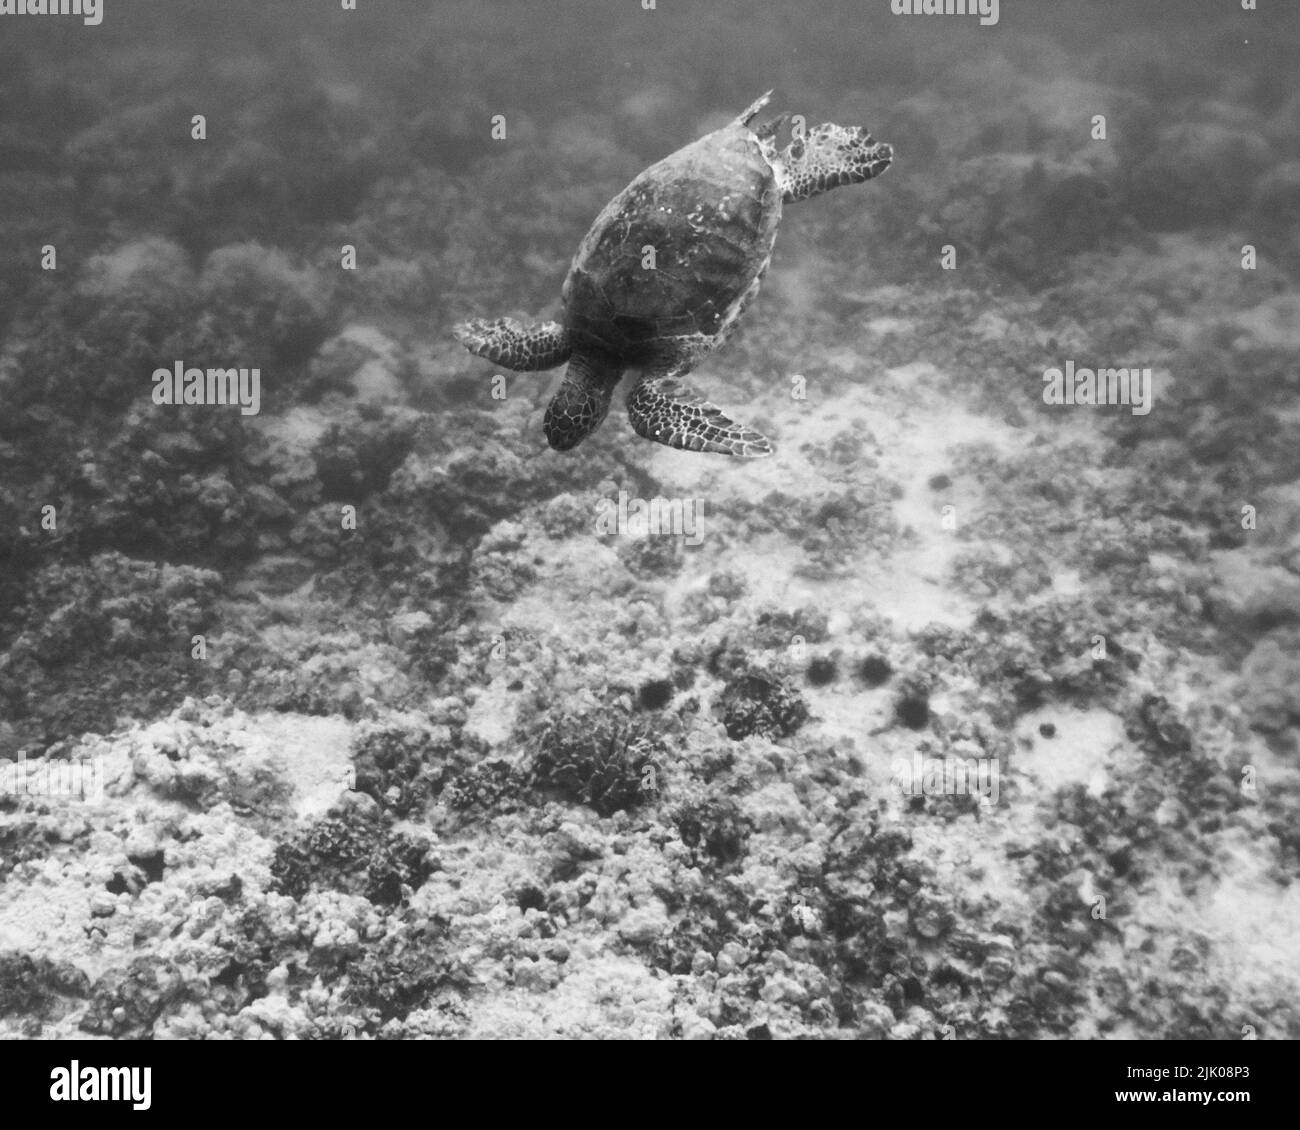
(828, 156)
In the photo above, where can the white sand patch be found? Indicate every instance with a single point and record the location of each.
(313, 754)
(768, 564)
(492, 715)
(1255, 920)
(605, 997)
(972, 866)
(1081, 752)
(916, 443)
(1251, 922)
(911, 428)
(849, 718)
(46, 907)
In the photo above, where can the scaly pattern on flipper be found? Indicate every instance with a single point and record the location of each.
(829, 156)
(514, 345)
(661, 408)
(582, 402)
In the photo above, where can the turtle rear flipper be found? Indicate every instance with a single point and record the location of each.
(582, 401)
(829, 156)
(661, 408)
(514, 345)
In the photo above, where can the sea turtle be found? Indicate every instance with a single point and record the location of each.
(665, 272)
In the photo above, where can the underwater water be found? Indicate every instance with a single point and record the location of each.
(333, 701)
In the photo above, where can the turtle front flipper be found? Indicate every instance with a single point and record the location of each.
(829, 156)
(514, 345)
(583, 400)
(661, 408)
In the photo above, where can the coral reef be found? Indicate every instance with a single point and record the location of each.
(389, 739)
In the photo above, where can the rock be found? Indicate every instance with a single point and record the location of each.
(1270, 681)
(644, 924)
(762, 704)
(930, 917)
(406, 627)
(696, 1027)
(1253, 593)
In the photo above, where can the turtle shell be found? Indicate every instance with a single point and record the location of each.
(710, 211)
